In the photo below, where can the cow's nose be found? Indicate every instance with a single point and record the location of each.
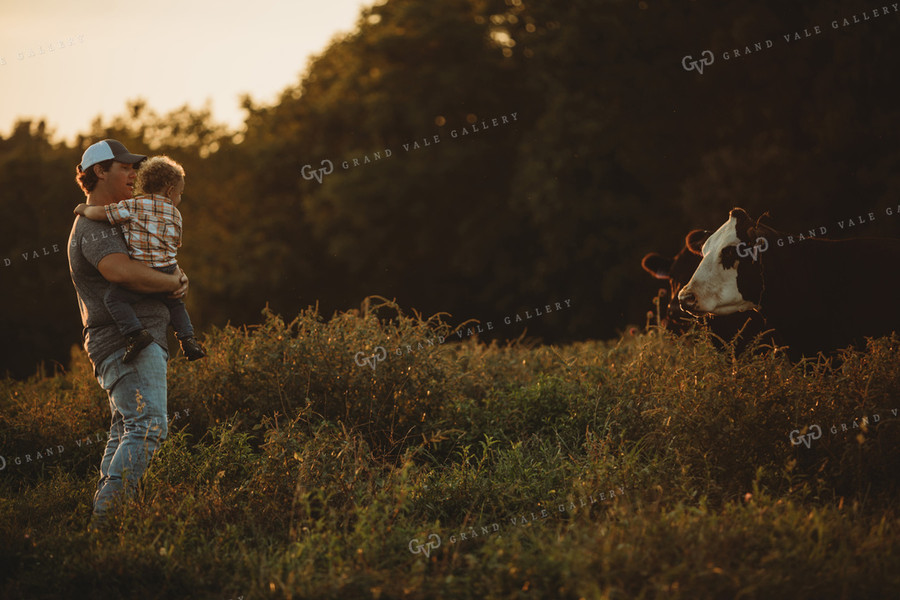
(676, 312)
(687, 299)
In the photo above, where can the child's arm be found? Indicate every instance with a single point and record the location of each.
(94, 213)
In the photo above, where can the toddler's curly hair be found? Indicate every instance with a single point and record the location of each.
(157, 173)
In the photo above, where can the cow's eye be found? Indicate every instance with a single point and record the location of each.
(729, 257)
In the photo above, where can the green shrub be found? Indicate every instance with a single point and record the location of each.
(299, 473)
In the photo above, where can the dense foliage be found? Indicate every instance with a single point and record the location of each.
(663, 468)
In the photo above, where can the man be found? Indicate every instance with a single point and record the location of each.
(98, 256)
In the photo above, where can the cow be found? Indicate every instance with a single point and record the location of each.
(819, 295)
(738, 329)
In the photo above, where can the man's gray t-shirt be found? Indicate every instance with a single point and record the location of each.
(89, 242)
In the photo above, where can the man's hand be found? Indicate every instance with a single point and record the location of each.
(181, 292)
(79, 210)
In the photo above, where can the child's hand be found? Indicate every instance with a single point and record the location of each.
(79, 210)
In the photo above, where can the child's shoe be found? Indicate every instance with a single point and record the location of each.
(192, 348)
(137, 341)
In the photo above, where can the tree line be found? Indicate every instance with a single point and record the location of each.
(586, 145)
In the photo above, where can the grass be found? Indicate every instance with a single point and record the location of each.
(294, 472)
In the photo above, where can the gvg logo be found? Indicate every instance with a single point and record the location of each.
(689, 64)
(308, 172)
(362, 360)
(814, 433)
(433, 543)
(761, 245)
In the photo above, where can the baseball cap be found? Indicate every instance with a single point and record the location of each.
(106, 150)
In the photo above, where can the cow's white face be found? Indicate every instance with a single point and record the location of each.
(714, 286)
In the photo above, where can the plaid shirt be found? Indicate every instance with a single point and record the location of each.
(152, 227)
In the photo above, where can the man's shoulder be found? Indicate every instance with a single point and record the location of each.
(85, 231)
(95, 239)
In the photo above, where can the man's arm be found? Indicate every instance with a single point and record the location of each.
(94, 213)
(132, 274)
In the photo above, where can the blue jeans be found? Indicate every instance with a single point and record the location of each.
(137, 403)
(118, 301)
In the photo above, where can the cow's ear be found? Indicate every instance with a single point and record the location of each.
(657, 265)
(743, 223)
(694, 240)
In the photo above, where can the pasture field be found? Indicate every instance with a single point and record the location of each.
(645, 467)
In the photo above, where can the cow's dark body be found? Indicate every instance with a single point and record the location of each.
(678, 271)
(821, 295)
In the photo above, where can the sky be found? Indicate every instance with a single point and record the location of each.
(97, 55)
